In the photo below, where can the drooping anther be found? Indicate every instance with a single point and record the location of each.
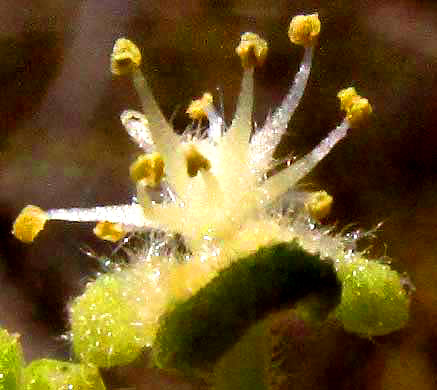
(109, 231)
(125, 57)
(148, 168)
(195, 161)
(304, 30)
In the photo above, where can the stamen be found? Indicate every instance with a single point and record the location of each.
(265, 141)
(252, 51)
(241, 127)
(126, 59)
(165, 139)
(148, 168)
(282, 181)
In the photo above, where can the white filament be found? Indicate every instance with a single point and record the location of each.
(265, 141)
(278, 184)
(129, 215)
(239, 133)
(216, 123)
(162, 133)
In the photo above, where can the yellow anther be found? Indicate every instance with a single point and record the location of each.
(304, 30)
(148, 168)
(109, 231)
(319, 205)
(29, 223)
(196, 109)
(357, 108)
(347, 96)
(359, 112)
(125, 57)
(252, 50)
(195, 161)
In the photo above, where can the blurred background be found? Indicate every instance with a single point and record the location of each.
(62, 145)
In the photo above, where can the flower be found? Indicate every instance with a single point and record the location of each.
(219, 194)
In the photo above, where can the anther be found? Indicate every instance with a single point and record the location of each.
(197, 108)
(109, 231)
(29, 223)
(195, 161)
(304, 30)
(357, 108)
(252, 50)
(148, 168)
(125, 57)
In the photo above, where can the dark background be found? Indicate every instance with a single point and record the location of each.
(62, 144)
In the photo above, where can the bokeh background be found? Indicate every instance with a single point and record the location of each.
(62, 145)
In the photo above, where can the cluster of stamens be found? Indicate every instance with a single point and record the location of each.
(212, 185)
(220, 193)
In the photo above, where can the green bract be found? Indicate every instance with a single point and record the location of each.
(374, 301)
(46, 374)
(11, 361)
(105, 324)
